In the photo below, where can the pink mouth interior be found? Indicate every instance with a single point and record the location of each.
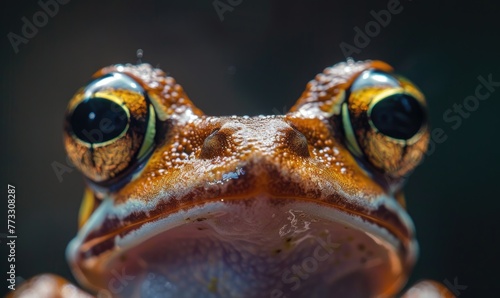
(257, 250)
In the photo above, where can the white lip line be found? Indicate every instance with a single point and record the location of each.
(178, 218)
(123, 210)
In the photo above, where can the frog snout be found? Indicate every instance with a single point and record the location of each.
(254, 137)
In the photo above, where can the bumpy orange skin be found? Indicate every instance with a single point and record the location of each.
(283, 156)
(298, 156)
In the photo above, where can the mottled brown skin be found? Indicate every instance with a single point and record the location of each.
(287, 157)
(324, 92)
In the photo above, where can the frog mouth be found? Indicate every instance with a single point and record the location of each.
(251, 246)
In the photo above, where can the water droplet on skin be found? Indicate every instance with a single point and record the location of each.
(139, 54)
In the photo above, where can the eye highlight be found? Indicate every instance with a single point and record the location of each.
(110, 125)
(384, 120)
(374, 78)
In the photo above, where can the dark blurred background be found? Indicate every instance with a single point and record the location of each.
(257, 60)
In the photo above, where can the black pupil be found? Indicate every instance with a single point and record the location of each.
(96, 120)
(399, 116)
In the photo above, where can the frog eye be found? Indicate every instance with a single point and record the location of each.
(109, 127)
(101, 114)
(385, 122)
(399, 116)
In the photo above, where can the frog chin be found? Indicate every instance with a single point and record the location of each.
(253, 247)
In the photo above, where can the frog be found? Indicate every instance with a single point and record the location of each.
(305, 204)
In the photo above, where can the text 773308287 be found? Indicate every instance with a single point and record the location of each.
(11, 236)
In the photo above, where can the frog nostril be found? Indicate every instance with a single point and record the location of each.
(296, 142)
(216, 144)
